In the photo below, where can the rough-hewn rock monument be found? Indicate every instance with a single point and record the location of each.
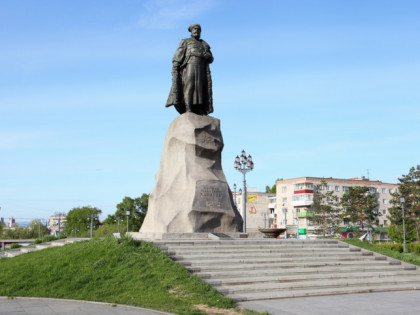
(191, 193)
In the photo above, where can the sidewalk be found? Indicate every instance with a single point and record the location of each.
(43, 306)
(396, 302)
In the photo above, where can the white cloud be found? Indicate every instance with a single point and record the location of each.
(167, 14)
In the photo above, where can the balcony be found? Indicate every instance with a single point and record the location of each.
(302, 200)
(305, 215)
(301, 203)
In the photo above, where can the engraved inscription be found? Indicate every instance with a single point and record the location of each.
(211, 195)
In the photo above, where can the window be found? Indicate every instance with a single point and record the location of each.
(384, 212)
(383, 190)
(346, 222)
(284, 200)
(377, 222)
(373, 190)
(390, 190)
(384, 201)
(345, 188)
(385, 222)
(337, 188)
(328, 188)
(284, 189)
(284, 210)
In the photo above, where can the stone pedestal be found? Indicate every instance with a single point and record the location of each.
(191, 193)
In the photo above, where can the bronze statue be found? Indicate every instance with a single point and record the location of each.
(191, 89)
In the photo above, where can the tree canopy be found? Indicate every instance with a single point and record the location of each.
(360, 206)
(409, 187)
(79, 219)
(137, 208)
(324, 208)
(272, 189)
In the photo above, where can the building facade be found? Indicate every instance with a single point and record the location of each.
(56, 223)
(259, 209)
(294, 199)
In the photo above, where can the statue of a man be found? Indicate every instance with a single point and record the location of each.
(191, 79)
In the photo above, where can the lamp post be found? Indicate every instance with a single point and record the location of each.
(127, 213)
(91, 224)
(402, 200)
(244, 165)
(118, 225)
(234, 191)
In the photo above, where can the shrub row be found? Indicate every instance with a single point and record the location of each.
(411, 248)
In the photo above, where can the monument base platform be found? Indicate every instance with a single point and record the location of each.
(194, 236)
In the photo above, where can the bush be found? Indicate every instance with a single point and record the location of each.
(15, 245)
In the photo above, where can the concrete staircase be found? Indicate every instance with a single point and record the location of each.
(31, 248)
(246, 269)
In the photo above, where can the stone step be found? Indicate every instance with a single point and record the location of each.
(36, 247)
(271, 266)
(302, 251)
(296, 271)
(321, 284)
(261, 269)
(226, 262)
(27, 249)
(13, 252)
(323, 291)
(231, 282)
(272, 256)
(248, 246)
(240, 242)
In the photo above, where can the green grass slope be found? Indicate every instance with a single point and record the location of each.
(386, 250)
(109, 270)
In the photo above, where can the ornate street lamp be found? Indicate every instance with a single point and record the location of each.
(402, 200)
(244, 165)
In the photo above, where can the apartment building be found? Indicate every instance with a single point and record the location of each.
(56, 223)
(294, 199)
(260, 208)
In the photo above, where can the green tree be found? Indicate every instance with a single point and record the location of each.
(360, 206)
(35, 227)
(18, 232)
(272, 189)
(409, 187)
(80, 219)
(325, 208)
(395, 233)
(138, 209)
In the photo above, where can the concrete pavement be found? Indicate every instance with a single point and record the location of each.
(44, 306)
(397, 302)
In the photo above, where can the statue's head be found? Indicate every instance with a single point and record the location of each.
(195, 30)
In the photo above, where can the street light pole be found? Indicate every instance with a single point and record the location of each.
(91, 224)
(244, 165)
(127, 213)
(402, 200)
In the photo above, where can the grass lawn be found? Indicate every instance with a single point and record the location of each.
(410, 258)
(115, 271)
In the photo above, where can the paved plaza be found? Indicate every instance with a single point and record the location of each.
(41, 306)
(397, 302)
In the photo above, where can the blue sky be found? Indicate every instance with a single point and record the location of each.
(308, 88)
